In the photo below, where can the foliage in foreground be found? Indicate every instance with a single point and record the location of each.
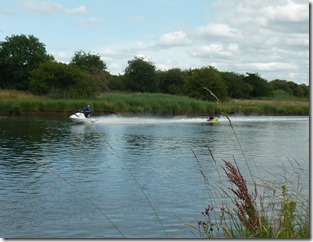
(247, 220)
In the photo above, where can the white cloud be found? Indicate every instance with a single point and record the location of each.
(177, 38)
(218, 30)
(293, 12)
(233, 47)
(299, 40)
(49, 7)
(62, 56)
(215, 51)
(140, 45)
(269, 66)
(79, 10)
(91, 21)
(166, 64)
(116, 68)
(269, 37)
(109, 52)
(250, 16)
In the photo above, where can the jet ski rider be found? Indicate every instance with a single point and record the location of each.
(87, 111)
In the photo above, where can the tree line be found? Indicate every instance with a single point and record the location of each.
(26, 65)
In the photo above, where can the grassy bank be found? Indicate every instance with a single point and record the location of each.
(20, 103)
(267, 107)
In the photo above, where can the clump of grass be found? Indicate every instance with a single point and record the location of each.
(18, 102)
(246, 220)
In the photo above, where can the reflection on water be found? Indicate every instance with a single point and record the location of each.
(61, 180)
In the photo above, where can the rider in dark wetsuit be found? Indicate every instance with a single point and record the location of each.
(87, 111)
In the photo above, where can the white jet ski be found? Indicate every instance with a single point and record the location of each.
(80, 118)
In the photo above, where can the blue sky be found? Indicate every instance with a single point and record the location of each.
(269, 37)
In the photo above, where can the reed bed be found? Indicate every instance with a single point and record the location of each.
(267, 107)
(160, 104)
(16, 102)
(136, 103)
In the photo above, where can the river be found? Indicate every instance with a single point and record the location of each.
(136, 177)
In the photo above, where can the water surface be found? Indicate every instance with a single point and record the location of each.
(137, 177)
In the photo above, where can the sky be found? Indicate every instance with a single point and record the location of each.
(268, 37)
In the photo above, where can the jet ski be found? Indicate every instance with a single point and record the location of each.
(80, 118)
(213, 120)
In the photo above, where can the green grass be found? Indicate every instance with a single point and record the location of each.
(112, 102)
(160, 104)
(14, 102)
(267, 107)
(282, 95)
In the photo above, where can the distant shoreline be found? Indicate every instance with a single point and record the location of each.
(20, 103)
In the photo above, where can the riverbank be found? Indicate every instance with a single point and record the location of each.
(22, 103)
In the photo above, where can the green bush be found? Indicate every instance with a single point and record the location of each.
(59, 80)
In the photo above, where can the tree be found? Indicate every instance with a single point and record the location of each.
(261, 88)
(206, 78)
(171, 81)
(140, 76)
(291, 88)
(61, 80)
(236, 86)
(94, 66)
(88, 62)
(19, 55)
(281, 85)
(117, 83)
(304, 90)
(298, 90)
